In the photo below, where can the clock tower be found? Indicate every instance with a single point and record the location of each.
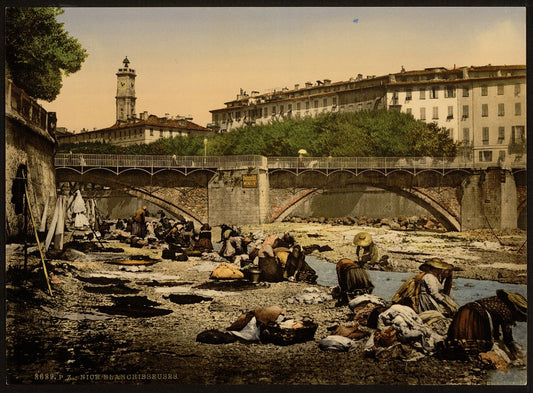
(125, 98)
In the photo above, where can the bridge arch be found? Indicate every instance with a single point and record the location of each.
(108, 178)
(170, 207)
(446, 218)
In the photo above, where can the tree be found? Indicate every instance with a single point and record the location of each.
(39, 51)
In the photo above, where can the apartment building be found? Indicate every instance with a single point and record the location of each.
(483, 107)
(306, 101)
(130, 129)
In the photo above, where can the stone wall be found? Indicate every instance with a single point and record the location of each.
(489, 200)
(232, 201)
(26, 145)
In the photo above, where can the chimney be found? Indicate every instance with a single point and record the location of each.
(167, 116)
(465, 73)
(359, 77)
(308, 84)
(392, 78)
(296, 87)
(327, 81)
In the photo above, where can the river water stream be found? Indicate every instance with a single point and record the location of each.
(464, 291)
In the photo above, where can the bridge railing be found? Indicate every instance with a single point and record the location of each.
(293, 163)
(367, 162)
(158, 161)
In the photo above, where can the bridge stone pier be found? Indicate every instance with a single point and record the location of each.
(239, 196)
(238, 190)
(489, 198)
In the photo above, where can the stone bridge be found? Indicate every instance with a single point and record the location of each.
(253, 189)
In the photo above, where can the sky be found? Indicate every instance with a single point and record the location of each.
(192, 60)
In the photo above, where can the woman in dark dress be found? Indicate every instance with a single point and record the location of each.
(477, 325)
(296, 269)
(204, 239)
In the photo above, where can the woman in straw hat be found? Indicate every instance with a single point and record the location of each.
(478, 324)
(352, 277)
(435, 288)
(366, 250)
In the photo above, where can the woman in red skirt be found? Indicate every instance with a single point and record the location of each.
(477, 325)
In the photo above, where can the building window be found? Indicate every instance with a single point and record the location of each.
(409, 111)
(484, 110)
(307, 105)
(422, 113)
(485, 136)
(485, 156)
(151, 132)
(484, 91)
(501, 135)
(289, 108)
(465, 111)
(316, 104)
(500, 90)
(422, 93)
(466, 135)
(408, 94)
(450, 92)
(273, 111)
(518, 109)
(450, 113)
(434, 92)
(238, 115)
(501, 155)
(466, 92)
(298, 106)
(435, 113)
(161, 132)
(518, 135)
(517, 89)
(325, 102)
(501, 110)
(281, 109)
(334, 101)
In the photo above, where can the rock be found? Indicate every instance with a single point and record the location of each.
(395, 226)
(429, 224)
(73, 255)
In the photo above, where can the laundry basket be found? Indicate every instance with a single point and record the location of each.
(273, 333)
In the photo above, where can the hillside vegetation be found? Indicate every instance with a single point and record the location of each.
(360, 134)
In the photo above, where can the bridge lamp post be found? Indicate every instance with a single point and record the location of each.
(205, 147)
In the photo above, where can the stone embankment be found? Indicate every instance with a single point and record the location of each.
(399, 223)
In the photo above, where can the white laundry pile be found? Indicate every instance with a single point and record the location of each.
(336, 343)
(310, 296)
(409, 328)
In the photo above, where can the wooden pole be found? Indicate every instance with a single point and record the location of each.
(37, 239)
(25, 234)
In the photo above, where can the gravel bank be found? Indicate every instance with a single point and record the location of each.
(66, 337)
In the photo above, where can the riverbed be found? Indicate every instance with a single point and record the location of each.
(79, 335)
